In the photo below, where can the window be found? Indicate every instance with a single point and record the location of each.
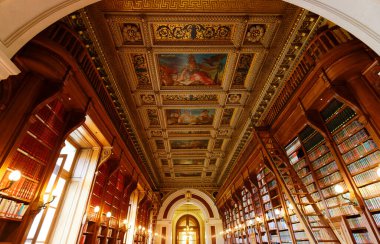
(40, 229)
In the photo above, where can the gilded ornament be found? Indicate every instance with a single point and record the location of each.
(192, 32)
(243, 66)
(131, 33)
(255, 33)
(234, 98)
(148, 99)
(141, 69)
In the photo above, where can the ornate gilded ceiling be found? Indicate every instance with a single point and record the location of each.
(190, 76)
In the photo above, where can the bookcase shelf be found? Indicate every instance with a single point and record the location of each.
(109, 194)
(32, 156)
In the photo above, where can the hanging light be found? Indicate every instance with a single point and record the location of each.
(338, 188)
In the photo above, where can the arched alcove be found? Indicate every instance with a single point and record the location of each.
(208, 213)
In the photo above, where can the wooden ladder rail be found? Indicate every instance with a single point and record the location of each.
(292, 185)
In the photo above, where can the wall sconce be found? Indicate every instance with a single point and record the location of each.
(13, 177)
(250, 222)
(125, 222)
(258, 219)
(108, 214)
(339, 189)
(47, 202)
(96, 209)
(290, 206)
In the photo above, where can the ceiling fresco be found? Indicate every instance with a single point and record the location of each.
(192, 81)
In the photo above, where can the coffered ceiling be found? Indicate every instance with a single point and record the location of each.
(191, 76)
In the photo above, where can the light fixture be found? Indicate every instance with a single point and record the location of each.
(96, 209)
(250, 222)
(108, 214)
(13, 177)
(258, 219)
(290, 206)
(46, 200)
(339, 189)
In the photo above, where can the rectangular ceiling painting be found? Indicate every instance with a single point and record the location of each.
(191, 69)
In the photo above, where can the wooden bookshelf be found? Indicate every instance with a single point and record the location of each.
(361, 156)
(110, 194)
(32, 157)
(273, 207)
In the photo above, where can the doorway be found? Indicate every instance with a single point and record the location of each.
(187, 230)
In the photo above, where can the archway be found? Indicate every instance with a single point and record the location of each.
(196, 203)
(187, 230)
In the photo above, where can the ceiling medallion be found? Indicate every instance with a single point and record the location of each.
(131, 34)
(255, 33)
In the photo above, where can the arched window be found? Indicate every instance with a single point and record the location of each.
(187, 230)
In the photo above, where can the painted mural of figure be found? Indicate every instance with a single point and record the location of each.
(186, 118)
(204, 117)
(192, 74)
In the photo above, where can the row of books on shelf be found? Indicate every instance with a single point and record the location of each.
(323, 234)
(362, 237)
(295, 144)
(357, 222)
(12, 209)
(307, 179)
(285, 236)
(339, 120)
(359, 151)
(353, 141)
(300, 235)
(366, 177)
(317, 152)
(376, 217)
(373, 203)
(347, 131)
(330, 179)
(321, 161)
(275, 238)
(27, 166)
(313, 141)
(371, 190)
(50, 118)
(325, 170)
(23, 188)
(363, 163)
(43, 132)
(294, 158)
(300, 164)
(35, 148)
(343, 210)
